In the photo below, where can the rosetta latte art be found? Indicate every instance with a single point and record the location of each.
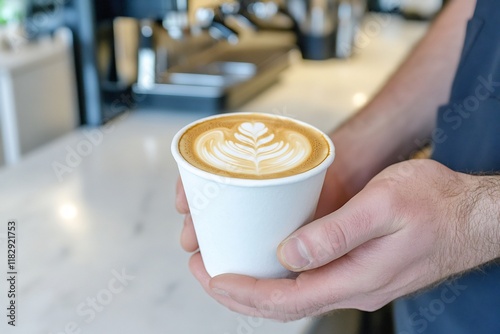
(253, 149)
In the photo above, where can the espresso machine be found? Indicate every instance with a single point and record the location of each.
(140, 53)
(104, 89)
(163, 54)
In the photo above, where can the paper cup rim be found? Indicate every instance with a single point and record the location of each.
(182, 162)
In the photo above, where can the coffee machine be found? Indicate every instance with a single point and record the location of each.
(124, 50)
(103, 93)
(131, 53)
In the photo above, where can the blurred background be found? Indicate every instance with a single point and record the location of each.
(175, 55)
(91, 93)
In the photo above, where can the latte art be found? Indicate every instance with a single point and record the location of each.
(253, 149)
(253, 146)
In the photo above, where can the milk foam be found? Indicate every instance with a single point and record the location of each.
(252, 149)
(253, 146)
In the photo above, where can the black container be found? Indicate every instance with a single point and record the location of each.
(316, 47)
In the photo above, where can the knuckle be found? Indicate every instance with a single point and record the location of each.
(255, 300)
(341, 235)
(335, 241)
(386, 195)
(386, 200)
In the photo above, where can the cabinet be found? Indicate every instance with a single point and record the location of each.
(38, 100)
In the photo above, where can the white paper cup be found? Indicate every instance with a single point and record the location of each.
(239, 223)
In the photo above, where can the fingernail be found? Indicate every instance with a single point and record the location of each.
(221, 292)
(295, 253)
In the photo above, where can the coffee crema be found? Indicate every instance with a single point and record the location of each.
(253, 146)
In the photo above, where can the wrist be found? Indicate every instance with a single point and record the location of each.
(481, 208)
(487, 213)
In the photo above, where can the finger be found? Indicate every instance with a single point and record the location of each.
(180, 199)
(198, 270)
(263, 298)
(326, 239)
(311, 294)
(188, 235)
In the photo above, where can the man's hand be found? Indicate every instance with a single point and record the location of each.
(413, 225)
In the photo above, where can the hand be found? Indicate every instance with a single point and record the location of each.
(414, 224)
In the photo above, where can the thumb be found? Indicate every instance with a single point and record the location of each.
(333, 236)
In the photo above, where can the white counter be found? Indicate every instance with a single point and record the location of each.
(113, 210)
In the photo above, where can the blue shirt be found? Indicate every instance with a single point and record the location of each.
(469, 142)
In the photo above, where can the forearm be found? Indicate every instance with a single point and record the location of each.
(402, 115)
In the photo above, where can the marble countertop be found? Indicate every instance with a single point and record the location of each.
(97, 232)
